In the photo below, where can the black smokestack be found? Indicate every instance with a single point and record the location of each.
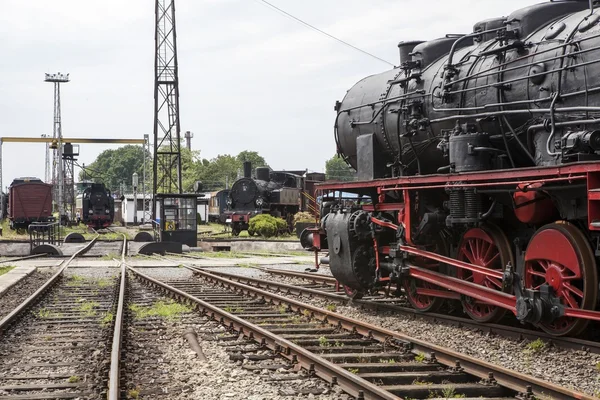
(247, 169)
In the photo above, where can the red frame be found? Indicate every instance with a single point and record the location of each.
(588, 171)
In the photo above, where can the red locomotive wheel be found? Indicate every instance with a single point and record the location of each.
(560, 255)
(487, 247)
(422, 302)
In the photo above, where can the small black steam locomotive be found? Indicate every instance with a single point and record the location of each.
(278, 193)
(98, 206)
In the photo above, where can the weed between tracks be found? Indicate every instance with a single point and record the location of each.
(535, 347)
(107, 319)
(88, 308)
(168, 309)
(45, 313)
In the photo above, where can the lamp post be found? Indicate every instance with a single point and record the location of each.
(135, 185)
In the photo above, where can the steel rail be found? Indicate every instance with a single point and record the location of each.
(503, 330)
(22, 258)
(482, 369)
(326, 370)
(115, 355)
(325, 279)
(7, 320)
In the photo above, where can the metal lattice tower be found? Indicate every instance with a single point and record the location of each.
(47, 168)
(57, 165)
(146, 178)
(167, 146)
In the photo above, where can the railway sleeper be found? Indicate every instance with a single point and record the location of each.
(439, 389)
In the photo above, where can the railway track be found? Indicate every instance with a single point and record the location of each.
(323, 286)
(368, 362)
(55, 344)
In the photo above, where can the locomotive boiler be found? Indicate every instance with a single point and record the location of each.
(480, 159)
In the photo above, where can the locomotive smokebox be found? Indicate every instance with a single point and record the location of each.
(247, 169)
(263, 174)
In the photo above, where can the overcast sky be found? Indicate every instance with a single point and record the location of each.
(250, 78)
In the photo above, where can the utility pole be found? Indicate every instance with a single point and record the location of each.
(167, 146)
(47, 172)
(146, 177)
(57, 159)
(188, 140)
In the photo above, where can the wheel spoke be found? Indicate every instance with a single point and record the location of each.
(494, 282)
(536, 273)
(469, 255)
(472, 251)
(488, 263)
(488, 253)
(573, 289)
(569, 299)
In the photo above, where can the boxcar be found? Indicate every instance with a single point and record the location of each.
(29, 200)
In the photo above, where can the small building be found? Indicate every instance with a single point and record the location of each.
(127, 209)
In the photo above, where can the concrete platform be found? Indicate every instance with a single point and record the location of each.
(13, 277)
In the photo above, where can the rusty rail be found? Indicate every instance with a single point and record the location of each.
(115, 355)
(348, 381)
(505, 377)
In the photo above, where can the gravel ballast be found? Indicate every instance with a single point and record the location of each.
(163, 364)
(575, 369)
(22, 290)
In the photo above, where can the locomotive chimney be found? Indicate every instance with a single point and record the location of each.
(247, 169)
(406, 48)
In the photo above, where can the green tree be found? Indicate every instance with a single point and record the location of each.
(336, 169)
(112, 167)
(224, 169)
(252, 156)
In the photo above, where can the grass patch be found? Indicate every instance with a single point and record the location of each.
(133, 394)
(387, 361)
(536, 346)
(168, 309)
(45, 313)
(88, 308)
(420, 357)
(248, 265)
(419, 382)
(353, 370)
(76, 280)
(104, 282)
(6, 268)
(331, 307)
(74, 379)
(224, 254)
(107, 319)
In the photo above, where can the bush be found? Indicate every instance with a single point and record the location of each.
(266, 225)
(198, 219)
(304, 216)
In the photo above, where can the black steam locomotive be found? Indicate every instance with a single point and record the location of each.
(278, 193)
(98, 206)
(479, 159)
